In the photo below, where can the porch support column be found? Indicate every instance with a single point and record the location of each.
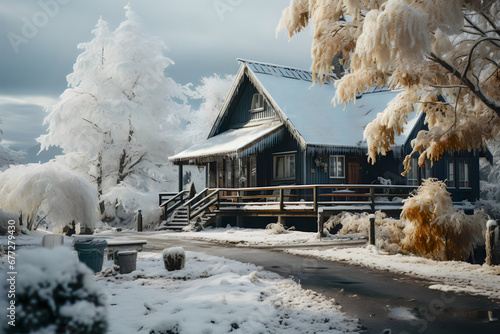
(180, 178)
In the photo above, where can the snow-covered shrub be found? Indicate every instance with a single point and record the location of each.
(174, 258)
(275, 228)
(48, 191)
(388, 231)
(55, 293)
(435, 229)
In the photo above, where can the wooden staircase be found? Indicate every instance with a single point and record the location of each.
(200, 209)
(176, 222)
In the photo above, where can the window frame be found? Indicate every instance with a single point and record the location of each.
(261, 101)
(284, 155)
(467, 176)
(330, 167)
(451, 183)
(412, 178)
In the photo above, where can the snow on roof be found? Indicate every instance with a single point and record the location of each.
(312, 113)
(230, 142)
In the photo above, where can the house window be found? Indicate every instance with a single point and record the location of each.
(427, 170)
(253, 171)
(412, 176)
(337, 166)
(257, 102)
(450, 180)
(464, 174)
(284, 166)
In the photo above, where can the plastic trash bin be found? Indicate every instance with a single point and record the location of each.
(127, 261)
(91, 252)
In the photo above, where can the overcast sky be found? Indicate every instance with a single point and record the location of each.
(38, 46)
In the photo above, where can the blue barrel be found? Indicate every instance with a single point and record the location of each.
(91, 252)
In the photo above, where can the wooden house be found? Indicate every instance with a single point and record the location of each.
(275, 129)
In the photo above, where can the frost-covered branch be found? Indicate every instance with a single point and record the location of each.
(427, 47)
(475, 89)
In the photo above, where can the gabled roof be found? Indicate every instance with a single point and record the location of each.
(308, 111)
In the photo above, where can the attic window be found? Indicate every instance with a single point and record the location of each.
(257, 102)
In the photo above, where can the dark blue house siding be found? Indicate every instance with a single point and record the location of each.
(440, 168)
(241, 112)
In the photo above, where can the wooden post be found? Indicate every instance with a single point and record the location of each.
(490, 242)
(180, 178)
(239, 221)
(188, 212)
(371, 239)
(281, 199)
(139, 221)
(321, 226)
(315, 198)
(372, 198)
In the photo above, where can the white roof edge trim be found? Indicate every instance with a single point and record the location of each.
(286, 121)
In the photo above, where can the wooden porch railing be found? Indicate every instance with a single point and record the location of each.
(314, 196)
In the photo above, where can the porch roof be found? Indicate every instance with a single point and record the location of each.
(233, 142)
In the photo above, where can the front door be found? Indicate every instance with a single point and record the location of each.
(353, 170)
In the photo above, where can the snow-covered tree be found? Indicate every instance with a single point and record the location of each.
(212, 91)
(120, 118)
(48, 191)
(427, 48)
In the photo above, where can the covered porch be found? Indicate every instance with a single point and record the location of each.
(232, 158)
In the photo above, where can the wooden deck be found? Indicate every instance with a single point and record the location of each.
(318, 201)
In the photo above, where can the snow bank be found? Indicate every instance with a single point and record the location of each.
(276, 228)
(216, 295)
(388, 231)
(261, 237)
(56, 293)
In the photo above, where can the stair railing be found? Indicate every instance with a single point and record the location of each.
(201, 202)
(173, 203)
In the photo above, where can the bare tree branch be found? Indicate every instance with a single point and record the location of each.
(477, 91)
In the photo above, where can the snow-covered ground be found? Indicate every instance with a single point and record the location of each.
(210, 295)
(215, 295)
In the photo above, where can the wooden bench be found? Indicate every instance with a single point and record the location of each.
(115, 246)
